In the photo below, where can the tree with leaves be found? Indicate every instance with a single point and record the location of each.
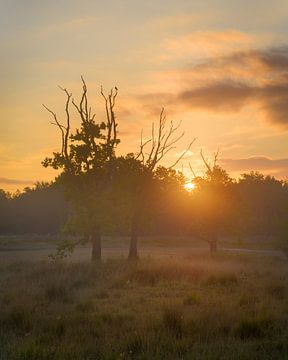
(264, 206)
(86, 161)
(163, 139)
(5, 212)
(213, 204)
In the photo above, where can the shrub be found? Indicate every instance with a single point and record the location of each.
(18, 319)
(173, 321)
(192, 299)
(85, 306)
(253, 328)
(222, 279)
(146, 277)
(277, 291)
(135, 346)
(57, 292)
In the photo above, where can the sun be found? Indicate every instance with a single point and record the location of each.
(189, 186)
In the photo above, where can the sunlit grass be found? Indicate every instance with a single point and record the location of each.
(232, 307)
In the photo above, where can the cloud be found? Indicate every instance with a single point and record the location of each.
(233, 96)
(229, 83)
(199, 44)
(275, 58)
(277, 167)
(219, 96)
(7, 181)
(263, 61)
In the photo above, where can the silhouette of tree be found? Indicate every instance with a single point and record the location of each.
(213, 203)
(170, 201)
(163, 139)
(5, 212)
(41, 209)
(143, 197)
(265, 205)
(86, 159)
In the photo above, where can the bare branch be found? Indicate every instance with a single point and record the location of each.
(67, 128)
(60, 126)
(208, 166)
(142, 146)
(183, 154)
(82, 107)
(161, 143)
(193, 172)
(216, 157)
(52, 123)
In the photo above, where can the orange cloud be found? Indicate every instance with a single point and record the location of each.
(230, 83)
(276, 167)
(201, 44)
(7, 181)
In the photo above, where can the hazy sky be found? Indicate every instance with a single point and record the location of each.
(220, 66)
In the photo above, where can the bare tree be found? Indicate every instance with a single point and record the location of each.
(163, 139)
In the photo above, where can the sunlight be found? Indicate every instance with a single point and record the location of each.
(189, 186)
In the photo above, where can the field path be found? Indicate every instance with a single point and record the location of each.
(83, 253)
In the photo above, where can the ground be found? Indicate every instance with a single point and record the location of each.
(185, 305)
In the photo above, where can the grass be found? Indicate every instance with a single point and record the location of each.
(227, 307)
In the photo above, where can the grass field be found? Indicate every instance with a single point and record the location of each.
(232, 306)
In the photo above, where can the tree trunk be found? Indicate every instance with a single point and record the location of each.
(96, 246)
(213, 245)
(133, 249)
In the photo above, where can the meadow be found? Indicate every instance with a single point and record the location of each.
(230, 306)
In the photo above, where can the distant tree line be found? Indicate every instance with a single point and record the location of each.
(41, 210)
(252, 206)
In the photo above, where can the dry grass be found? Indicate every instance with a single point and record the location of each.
(228, 307)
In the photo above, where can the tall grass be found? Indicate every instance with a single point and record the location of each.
(222, 308)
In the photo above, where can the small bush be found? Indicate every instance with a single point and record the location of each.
(248, 300)
(85, 306)
(165, 272)
(173, 321)
(222, 280)
(60, 328)
(146, 277)
(192, 299)
(102, 295)
(33, 351)
(57, 292)
(18, 319)
(277, 291)
(253, 328)
(134, 347)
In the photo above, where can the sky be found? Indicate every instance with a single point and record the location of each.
(218, 66)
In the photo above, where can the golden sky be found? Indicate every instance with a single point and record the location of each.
(219, 66)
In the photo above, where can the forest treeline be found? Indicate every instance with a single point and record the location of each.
(41, 209)
(252, 206)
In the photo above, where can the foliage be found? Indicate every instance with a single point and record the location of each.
(264, 204)
(213, 205)
(41, 209)
(87, 160)
(253, 207)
